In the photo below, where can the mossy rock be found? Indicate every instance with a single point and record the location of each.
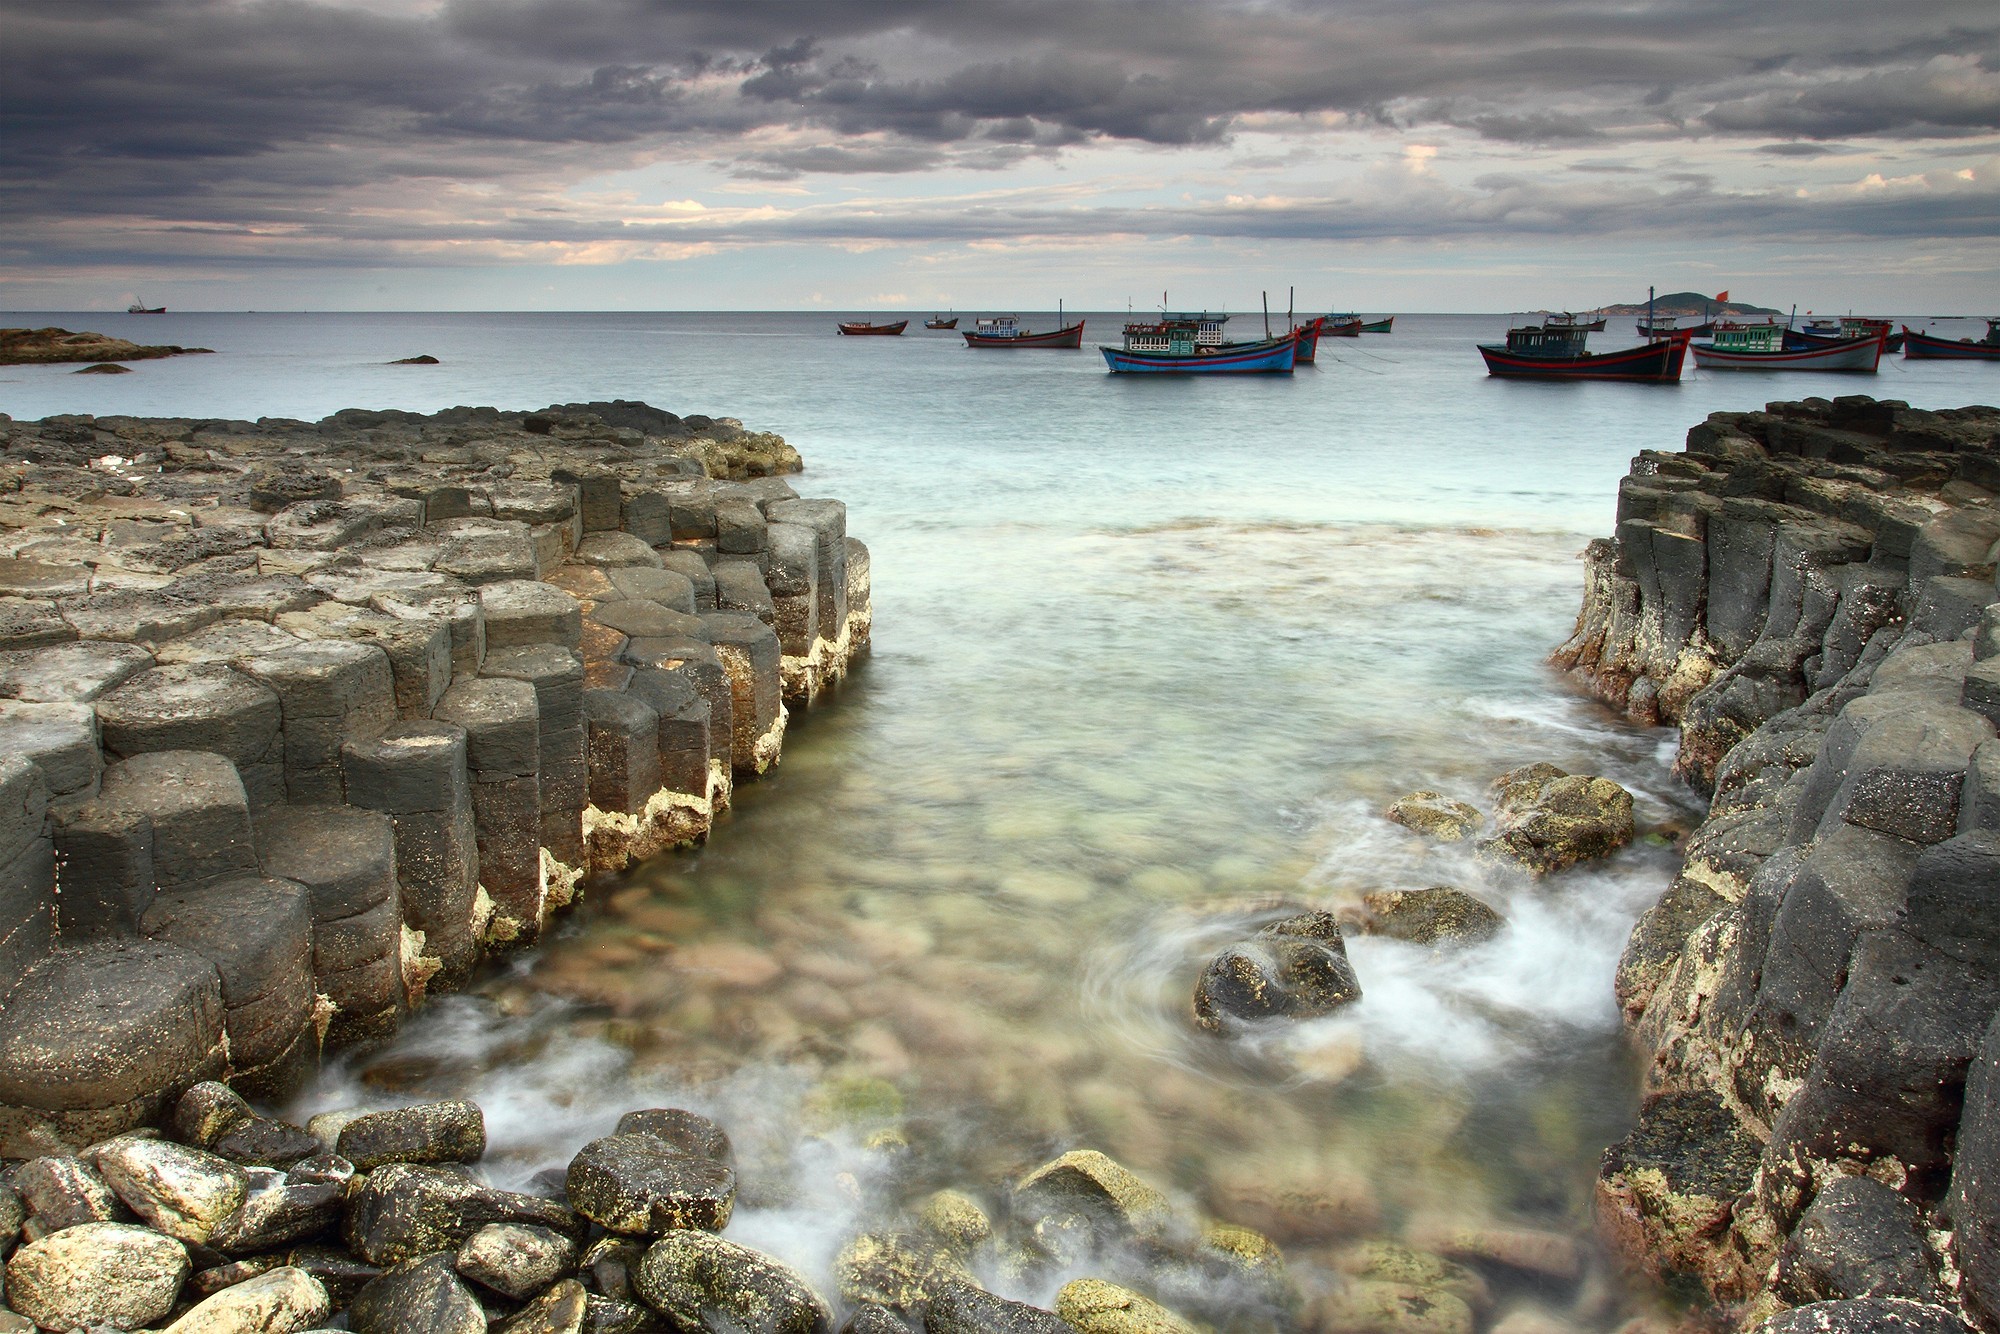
(1437, 816)
(1093, 1306)
(1090, 1184)
(1436, 916)
(853, 1102)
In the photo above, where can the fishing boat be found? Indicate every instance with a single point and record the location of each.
(941, 322)
(1006, 331)
(1378, 326)
(858, 327)
(1192, 344)
(1763, 347)
(1670, 326)
(1561, 352)
(1307, 335)
(1571, 320)
(1340, 326)
(1820, 332)
(1918, 346)
(141, 308)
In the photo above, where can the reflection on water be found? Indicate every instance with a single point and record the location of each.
(973, 900)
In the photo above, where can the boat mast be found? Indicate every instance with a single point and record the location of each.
(1267, 314)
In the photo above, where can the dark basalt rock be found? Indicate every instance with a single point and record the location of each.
(1436, 916)
(422, 359)
(1858, 1239)
(685, 1132)
(1295, 969)
(1866, 1315)
(642, 1186)
(964, 1309)
(420, 1297)
(405, 1210)
(701, 1282)
(435, 1132)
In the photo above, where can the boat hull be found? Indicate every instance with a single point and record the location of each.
(940, 324)
(1929, 347)
(1852, 354)
(1308, 340)
(1799, 339)
(1667, 330)
(1659, 362)
(1276, 357)
(1378, 326)
(861, 330)
(1348, 328)
(1071, 336)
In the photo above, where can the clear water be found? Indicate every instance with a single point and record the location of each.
(1150, 658)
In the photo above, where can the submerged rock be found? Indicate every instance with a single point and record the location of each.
(1086, 1183)
(1437, 816)
(895, 1270)
(1374, 1307)
(1294, 969)
(701, 1282)
(1546, 820)
(641, 1185)
(1436, 916)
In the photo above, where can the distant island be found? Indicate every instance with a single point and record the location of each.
(1689, 303)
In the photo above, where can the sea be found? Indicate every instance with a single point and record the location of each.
(1151, 657)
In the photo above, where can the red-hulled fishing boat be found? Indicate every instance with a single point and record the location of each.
(1006, 331)
(1919, 346)
(941, 322)
(858, 327)
(1560, 352)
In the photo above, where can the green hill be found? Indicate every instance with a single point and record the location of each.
(1690, 303)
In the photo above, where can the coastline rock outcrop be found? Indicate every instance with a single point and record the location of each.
(1809, 593)
(299, 720)
(52, 346)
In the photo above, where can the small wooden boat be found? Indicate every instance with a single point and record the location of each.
(1006, 331)
(141, 308)
(941, 322)
(1763, 347)
(1183, 344)
(1918, 346)
(1382, 325)
(1340, 326)
(1307, 335)
(858, 327)
(1571, 320)
(1560, 352)
(1819, 333)
(1670, 326)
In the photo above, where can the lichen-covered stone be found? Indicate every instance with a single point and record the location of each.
(699, 1281)
(640, 1185)
(1546, 820)
(1437, 816)
(1437, 916)
(1294, 969)
(97, 1273)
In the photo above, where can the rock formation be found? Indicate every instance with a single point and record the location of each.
(52, 346)
(1808, 592)
(297, 720)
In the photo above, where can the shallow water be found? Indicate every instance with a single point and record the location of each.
(1149, 661)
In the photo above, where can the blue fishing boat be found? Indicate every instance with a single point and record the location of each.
(1561, 352)
(1921, 346)
(1192, 344)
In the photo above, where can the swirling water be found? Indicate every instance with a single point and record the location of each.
(1150, 658)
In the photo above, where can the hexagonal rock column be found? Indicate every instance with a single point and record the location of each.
(165, 821)
(502, 725)
(200, 707)
(328, 692)
(415, 773)
(750, 654)
(346, 859)
(827, 522)
(97, 1039)
(258, 934)
(27, 871)
(860, 604)
(624, 777)
(61, 739)
(698, 662)
(556, 674)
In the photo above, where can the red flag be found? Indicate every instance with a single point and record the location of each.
(1722, 296)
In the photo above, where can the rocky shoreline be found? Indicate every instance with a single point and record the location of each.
(298, 721)
(55, 347)
(1808, 593)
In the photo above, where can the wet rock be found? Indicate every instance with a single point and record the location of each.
(516, 1260)
(1295, 969)
(965, 1309)
(640, 1185)
(404, 1210)
(1546, 820)
(608, 1263)
(1434, 916)
(62, 1192)
(418, 1297)
(1437, 816)
(895, 1270)
(701, 1282)
(338, 1272)
(286, 1207)
(1093, 1306)
(563, 1309)
(262, 1142)
(1665, 1191)
(12, 1215)
(955, 1219)
(1371, 1307)
(206, 1112)
(874, 1320)
(207, 1282)
(613, 1315)
(182, 1192)
(283, 1301)
(1866, 1315)
(453, 1131)
(1858, 1239)
(97, 1273)
(683, 1131)
(1085, 1182)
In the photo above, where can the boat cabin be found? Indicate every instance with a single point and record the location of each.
(999, 326)
(1548, 340)
(1750, 338)
(1178, 335)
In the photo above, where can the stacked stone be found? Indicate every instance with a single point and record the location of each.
(319, 713)
(1810, 591)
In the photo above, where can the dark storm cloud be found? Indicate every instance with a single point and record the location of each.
(286, 116)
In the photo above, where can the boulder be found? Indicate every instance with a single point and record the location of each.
(453, 1131)
(283, 1301)
(640, 1185)
(1858, 1239)
(1437, 816)
(1295, 969)
(1088, 1184)
(97, 1273)
(404, 1210)
(563, 1309)
(966, 1309)
(516, 1260)
(1866, 1315)
(182, 1192)
(1093, 1306)
(686, 1132)
(1546, 820)
(59, 1191)
(282, 1208)
(206, 1112)
(701, 1282)
(417, 1297)
(1436, 916)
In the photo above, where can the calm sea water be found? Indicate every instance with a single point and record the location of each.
(1150, 659)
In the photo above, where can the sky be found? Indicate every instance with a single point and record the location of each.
(1384, 155)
